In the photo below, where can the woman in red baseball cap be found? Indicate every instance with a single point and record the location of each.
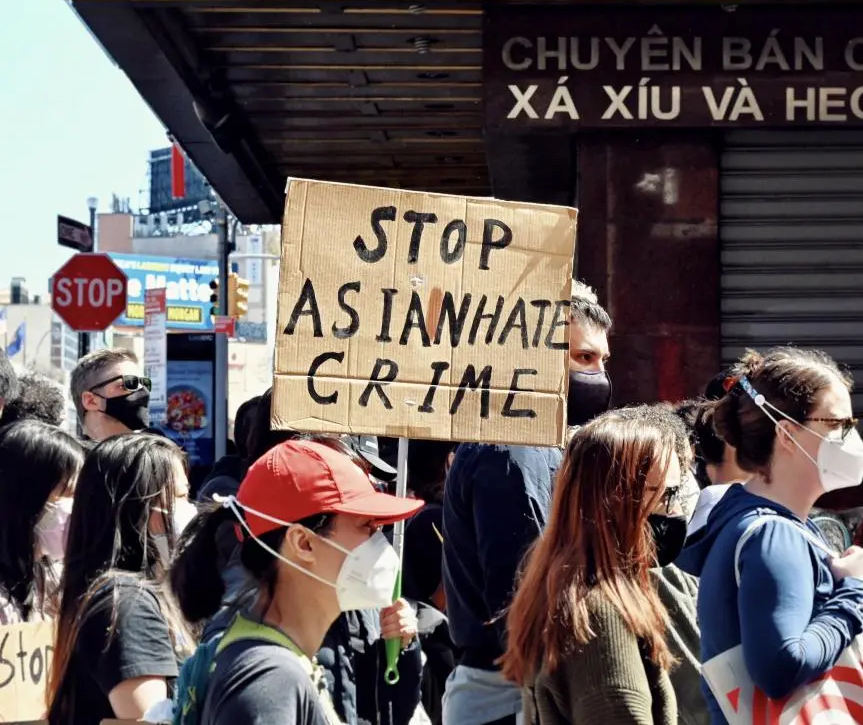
(309, 520)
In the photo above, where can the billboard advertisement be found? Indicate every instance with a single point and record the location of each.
(187, 289)
(190, 393)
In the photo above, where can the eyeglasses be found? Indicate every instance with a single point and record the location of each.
(672, 496)
(130, 383)
(846, 424)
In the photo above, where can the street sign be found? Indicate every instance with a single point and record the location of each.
(89, 292)
(156, 352)
(224, 325)
(74, 234)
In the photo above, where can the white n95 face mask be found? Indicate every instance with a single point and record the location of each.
(367, 576)
(840, 461)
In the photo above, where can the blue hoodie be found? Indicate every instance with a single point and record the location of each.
(793, 618)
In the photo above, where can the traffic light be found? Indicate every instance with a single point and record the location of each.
(214, 298)
(238, 296)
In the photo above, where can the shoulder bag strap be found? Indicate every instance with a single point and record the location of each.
(759, 522)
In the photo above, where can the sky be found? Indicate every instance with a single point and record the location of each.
(72, 126)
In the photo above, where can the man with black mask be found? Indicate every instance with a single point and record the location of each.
(496, 503)
(589, 384)
(110, 394)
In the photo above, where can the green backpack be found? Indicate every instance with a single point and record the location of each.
(190, 690)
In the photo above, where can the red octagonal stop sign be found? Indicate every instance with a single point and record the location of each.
(89, 292)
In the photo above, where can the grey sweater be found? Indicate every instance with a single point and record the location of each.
(679, 593)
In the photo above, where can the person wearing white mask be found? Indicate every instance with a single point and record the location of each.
(766, 580)
(119, 637)
(38, 468)
(310, 524)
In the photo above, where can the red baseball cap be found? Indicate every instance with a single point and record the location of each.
(299, 478)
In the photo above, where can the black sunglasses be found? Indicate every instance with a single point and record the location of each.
(846, 424)
(130, 383)
(672, 496)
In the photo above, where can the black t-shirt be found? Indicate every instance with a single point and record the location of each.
(109, 651)
(255, 682)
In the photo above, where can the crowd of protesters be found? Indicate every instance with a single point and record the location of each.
(541, 586)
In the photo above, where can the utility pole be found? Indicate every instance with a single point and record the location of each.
(84, 337)
(221, 403)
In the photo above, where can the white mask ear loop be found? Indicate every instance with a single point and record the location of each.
(762, 403)
(230, 502)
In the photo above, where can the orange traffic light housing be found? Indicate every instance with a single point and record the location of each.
(238, 296)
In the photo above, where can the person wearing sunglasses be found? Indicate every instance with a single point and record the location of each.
(588, 632)
(111, 395)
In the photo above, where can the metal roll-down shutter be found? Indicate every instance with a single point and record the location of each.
(791, 232)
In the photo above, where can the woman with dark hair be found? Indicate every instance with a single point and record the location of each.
(118, 635)
(38, 468)
(587, 630)
(310, 523)
(766, 580)
(352, 653)
(261, 436)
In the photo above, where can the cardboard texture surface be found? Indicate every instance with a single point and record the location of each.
(462, 316)
(25, 660)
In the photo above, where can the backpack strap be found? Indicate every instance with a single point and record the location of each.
(246, 629)
(759, 522)
(243, 628)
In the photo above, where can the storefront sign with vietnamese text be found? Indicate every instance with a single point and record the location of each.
(741, 65)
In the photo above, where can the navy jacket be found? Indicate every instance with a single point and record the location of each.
(496, 504)
(792, 617)
(354, 658)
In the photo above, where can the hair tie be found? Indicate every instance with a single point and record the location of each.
(757, 397)
(730, 382)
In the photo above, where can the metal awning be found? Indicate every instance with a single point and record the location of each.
(376, 92)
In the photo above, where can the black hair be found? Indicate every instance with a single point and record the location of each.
(716, 388)
(427, 468)
(790, 379)
(8, 380)
(196, 578)
(708, 447)
(36, 460)
(123, 479)
(243, 421)
(39, 398)
(584, 307)
(262, 437)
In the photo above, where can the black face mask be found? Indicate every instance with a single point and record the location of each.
(669, 533)
(589, 396)
(131, 410)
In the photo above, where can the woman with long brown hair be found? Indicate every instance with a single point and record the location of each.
(587, 630)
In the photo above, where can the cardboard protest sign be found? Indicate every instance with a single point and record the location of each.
(422, 315)
(26, 651)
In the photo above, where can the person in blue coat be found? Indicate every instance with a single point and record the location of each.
(796, 608)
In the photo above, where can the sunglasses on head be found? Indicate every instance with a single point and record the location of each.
(845, 424)
(130, 383)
